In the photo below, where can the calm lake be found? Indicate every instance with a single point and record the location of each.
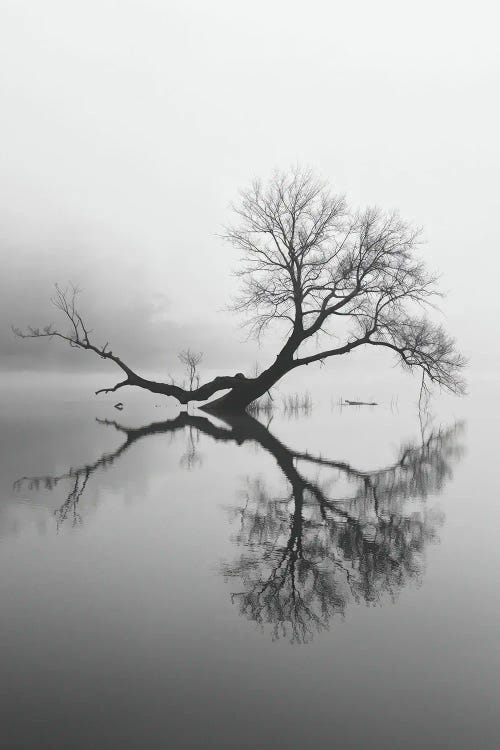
(304, 580)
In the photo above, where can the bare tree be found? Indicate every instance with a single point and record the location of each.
(191, 360)
(319, 270)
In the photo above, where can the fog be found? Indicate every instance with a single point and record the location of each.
(170, 578)
(128, 127)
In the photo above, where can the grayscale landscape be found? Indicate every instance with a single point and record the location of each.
(249, 375)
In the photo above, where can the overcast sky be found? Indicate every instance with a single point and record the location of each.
(128, 127)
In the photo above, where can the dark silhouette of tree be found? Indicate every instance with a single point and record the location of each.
(191, 360)
(305, 554)
(317, 269)
(309, 552)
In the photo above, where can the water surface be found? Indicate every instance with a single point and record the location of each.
(322, 580)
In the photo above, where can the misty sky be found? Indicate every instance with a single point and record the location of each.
(128, 127)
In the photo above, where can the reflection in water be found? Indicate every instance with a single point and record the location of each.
(307, 553)
(354, 535)
(192, 457)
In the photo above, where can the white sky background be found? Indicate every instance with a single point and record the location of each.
(128, 127)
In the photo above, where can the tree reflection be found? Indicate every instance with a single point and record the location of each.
(307, 553)
(345, 535)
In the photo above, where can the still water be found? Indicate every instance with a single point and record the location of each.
(309, 580)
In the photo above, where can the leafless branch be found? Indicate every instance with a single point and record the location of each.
(191, 360)
(310, 262)
(315, 268)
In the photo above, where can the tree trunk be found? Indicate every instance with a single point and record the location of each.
(242, 395)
